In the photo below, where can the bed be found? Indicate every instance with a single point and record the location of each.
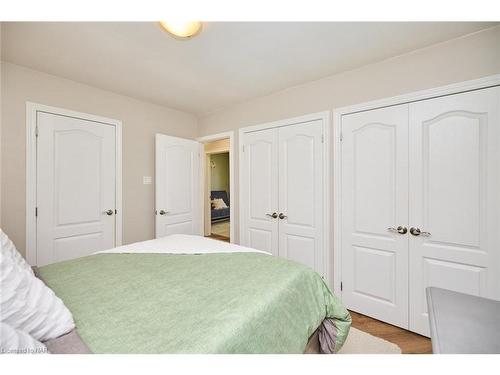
(220, 214)
(190, 294)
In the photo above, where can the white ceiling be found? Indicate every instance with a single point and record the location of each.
(225, 64)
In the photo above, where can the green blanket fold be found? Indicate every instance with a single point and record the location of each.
(210, 303)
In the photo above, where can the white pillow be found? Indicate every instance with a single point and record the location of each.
(26, 303)
(219, 203)
(8, 246)
(15, 341)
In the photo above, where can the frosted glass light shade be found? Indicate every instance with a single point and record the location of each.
(181, 29)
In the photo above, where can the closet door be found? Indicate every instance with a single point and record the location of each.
(259, 191)
(454, 198)
(374, 204)
(301, 187)
(76, 194)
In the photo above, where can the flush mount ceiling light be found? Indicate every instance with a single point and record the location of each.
(181, 29)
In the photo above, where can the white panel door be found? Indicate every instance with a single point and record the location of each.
(374, 199)
(178, 188)
(454, 195)
(76, 179)
(301, 201)
(259, 190)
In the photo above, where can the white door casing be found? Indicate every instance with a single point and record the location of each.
(178, 206)
(455, 196)
(75, 185)
(375, 198)
(206, 197)
(301, 189)
(259, 190)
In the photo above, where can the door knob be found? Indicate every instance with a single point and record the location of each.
(400, 229)
(274, 215)
(418, 232)
(108, 212)
(282, 216)
(163, 212)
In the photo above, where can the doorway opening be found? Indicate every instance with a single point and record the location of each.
(217, 189)
(218, 186)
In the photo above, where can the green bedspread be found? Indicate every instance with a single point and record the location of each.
(211, 303)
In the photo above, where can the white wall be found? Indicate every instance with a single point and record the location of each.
(469, 57)
(141, 121)
(219, 178)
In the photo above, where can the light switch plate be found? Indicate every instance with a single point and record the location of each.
(147, 180)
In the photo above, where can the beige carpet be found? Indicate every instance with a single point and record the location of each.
(359, 342)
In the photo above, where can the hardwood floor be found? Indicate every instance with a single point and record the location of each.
(409, 342)
(218, 237)
(222, 228)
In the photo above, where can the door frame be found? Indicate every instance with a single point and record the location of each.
(31, 169)
(455, 88)
(203, 165)
(325, 117)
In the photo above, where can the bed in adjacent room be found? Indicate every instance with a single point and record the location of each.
(189, 294)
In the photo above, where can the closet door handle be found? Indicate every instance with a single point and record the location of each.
(274, 215)
(282, 216)
(108, 212)
(418, 232)
(400, 229)
(163, 212)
